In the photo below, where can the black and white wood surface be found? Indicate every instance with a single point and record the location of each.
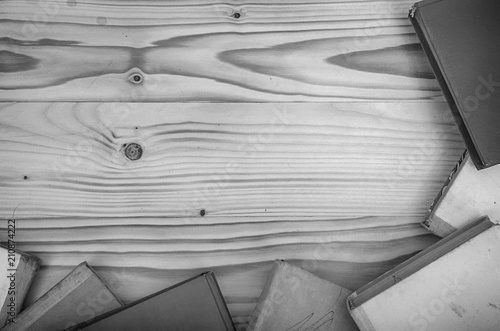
(239, 51)
(337, 188)
(312, 132)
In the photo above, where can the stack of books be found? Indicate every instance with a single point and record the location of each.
(82, 301)
(293, 299)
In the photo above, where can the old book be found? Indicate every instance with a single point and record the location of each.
(80, 296)
(452, 285)
(296, 300)
(17, 271)
(461, 40)
(467, 195)
(195, 304)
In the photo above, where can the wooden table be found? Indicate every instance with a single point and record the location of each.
(311, 132)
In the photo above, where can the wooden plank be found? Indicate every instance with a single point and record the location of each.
(338, 188)
(201, 51)
(229, 159)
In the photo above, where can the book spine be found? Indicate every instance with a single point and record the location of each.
(433, 223)
(219, 300)
(413, 10)
(417, 262)
(264, 304)
(438, 226)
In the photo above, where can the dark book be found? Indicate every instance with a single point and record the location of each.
(296, 300)
(452, 285)
(17, 271)
(79, 296)
(195, 304)
(461, 39)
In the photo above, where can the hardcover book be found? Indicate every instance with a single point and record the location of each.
(80, 296)
(461, 39)
(17, 271)
(296, 300)
(452, 285)
(467, 195)
(195, 304)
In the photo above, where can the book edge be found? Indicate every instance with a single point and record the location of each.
(219, 300)
(431, 221)
(256, 319)
(359, 316)
(419, 261)
(438, 226)
(47, 297)
(104, 283)
(25, 272)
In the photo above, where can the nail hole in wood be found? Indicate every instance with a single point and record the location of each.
(236, 15)
(202, 212)
(25, 177)
(136, 78)
(133, 151)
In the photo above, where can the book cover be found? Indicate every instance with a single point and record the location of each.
(461, 41)
(467, 195)
(17, 272)
(195, 304)
(81, 295)
(452, 285)
(296, 300)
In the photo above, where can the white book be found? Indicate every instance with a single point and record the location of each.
(296, 300)
(467, 195)
(452, 285)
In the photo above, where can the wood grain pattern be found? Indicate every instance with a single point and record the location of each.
(200, 51)
(337, 188)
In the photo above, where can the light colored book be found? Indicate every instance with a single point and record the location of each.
(452, 285)
(467, 195)
(80, 296)
(17, 271)
(296, 300)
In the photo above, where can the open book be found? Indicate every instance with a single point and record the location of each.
(452, 285)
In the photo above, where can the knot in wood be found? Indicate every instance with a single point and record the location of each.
(133, 151)
(136, 78)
